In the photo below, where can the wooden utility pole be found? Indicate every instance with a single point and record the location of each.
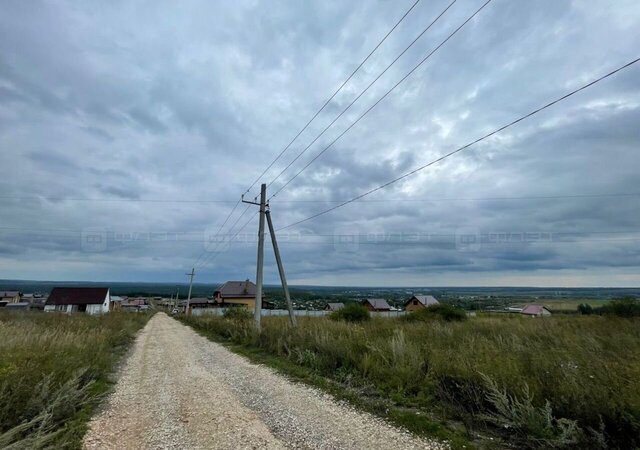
(193, 270)
(283, 278)
(263, 209)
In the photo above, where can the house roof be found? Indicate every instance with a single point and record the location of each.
(334, 306)
(533, 310)
(237, 289)
(77, 296)
(199, 300)
(377, 303)
(19, 305)
(9, 293)
(426, 300)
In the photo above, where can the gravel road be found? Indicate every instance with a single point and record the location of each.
(179, 390)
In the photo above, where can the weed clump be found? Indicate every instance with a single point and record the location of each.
(238, 314)
(440, 311)
(353, 312)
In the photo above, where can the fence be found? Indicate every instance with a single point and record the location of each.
(284, 312)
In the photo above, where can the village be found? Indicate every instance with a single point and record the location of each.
(231, 294)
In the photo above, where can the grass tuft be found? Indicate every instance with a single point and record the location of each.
(54, 370)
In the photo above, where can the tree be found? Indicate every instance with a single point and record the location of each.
(585, 309)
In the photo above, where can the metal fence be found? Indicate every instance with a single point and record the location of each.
(284, 312)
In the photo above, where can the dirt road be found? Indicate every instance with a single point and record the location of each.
(180, 390)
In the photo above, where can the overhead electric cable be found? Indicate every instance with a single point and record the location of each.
(381, 98)
(466, 146)
(319, 111)
(333, 95)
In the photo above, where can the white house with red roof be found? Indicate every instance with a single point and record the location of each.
(535, 311)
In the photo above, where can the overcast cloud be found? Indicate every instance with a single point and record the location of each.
(118, 118)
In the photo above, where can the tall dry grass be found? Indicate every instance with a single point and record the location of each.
(54, 368)
(552, 382)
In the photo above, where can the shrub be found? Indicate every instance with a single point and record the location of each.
(440, 311)
(627, 307)
(585, 309)
(238, 313)
(353, 312)
(533, 426)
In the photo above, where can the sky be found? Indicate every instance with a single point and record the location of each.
(129, 130)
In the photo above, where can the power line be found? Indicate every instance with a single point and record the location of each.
(384, 200)
(382, 98)
(208, 254)
(220, 229)
(468, 199)
(135, 234)
(320, 110)
(115, 200)
(304, 150)
(333, 95)
(464, 147)
(212, 256)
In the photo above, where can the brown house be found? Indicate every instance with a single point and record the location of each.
(420, 302)
(201, 302)
(238, 293)
(376, 304)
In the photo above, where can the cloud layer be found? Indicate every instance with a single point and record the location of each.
(118, 120)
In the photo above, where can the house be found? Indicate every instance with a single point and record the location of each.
(10, 296)
(333, 306)
(420, 302)
(92, 300)
(238, 293)
(201, 302)
(376, 304)
(535, 311)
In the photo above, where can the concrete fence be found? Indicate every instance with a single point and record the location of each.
(284, 312)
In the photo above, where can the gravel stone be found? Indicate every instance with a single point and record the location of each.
(178, 390)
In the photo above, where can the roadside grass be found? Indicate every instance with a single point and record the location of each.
(557, 382)
(54, 370)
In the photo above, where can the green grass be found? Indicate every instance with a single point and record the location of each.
(54, 370)
(565, 382)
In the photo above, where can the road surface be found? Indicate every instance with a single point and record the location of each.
(178, 390)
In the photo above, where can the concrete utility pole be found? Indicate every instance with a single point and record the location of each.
(193, 271)
(263, 209)
(283, 278)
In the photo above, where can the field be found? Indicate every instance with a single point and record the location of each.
(563, 382)
(569, 305)
(54, 369)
